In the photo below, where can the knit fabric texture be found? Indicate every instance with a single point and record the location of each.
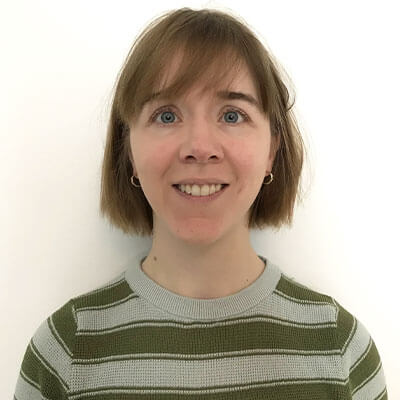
(133, 339)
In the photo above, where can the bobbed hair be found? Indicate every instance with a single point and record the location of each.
(214, 44)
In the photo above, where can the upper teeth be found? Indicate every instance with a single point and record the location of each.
(203, 190)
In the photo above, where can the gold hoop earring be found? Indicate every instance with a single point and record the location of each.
(272, 178)
(133, 183)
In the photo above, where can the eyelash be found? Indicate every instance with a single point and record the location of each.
(168, 108)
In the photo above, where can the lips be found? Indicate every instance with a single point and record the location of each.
(201, 199)
(202, 181)
(191, 184)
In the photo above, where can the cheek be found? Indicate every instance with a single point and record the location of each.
(149, 156)
(249, 161)
(155, 162)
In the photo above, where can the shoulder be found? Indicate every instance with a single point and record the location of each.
(53, 341)
(290, 287)
(360, 360)
(47, 362)
(56, 333)
(61, 325)
(345, 322)
(108, 293)
(349, 331)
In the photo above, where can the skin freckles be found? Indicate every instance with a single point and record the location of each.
(202, 250)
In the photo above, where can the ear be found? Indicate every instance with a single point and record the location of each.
(128, 145)
(274, 147)
(276, 142)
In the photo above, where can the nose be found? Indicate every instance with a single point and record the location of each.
(201, 141)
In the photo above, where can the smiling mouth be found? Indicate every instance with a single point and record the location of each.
(177, 185)
(211, 195)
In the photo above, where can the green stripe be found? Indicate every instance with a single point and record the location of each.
(301, 391)
(294, 289)
(209, 352)
(382, 396)
(110, 294)
(64, 325)
(346, 328)
(181, 339)
(368, 367)
(34, 372)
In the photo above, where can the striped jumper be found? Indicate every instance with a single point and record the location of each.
(134, 339)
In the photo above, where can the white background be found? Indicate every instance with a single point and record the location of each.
(59, 62)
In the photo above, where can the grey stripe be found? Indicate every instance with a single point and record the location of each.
(53, 332)
(180, 373)
(25, 390)
(306, 312)
(51, 350)
(138, 309)
(357, 346)
(373, 387)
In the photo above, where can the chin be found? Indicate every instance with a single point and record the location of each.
(198, 232)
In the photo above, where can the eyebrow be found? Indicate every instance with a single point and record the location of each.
(227, 95)
(222, 94)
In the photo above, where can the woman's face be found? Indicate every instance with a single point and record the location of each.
(202, 136)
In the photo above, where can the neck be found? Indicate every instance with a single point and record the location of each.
(217, 270)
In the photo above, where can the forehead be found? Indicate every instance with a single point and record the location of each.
(235, 76)
(225, 94)
(236, 85)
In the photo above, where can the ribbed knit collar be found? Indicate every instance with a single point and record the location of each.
(193, 308)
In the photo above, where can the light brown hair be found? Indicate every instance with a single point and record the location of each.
(213, 43)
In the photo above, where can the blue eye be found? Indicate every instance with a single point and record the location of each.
(232, 116)
(168, 116)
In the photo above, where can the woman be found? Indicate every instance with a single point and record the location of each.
(202, 146)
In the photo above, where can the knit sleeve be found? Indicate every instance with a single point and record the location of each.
(46, 365)
(363, 370)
